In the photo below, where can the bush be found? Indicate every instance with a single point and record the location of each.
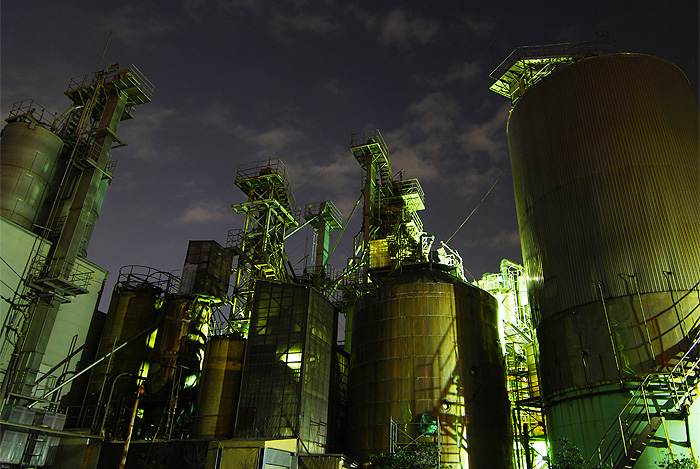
(569, 457)
(679, 462)
(418, 456)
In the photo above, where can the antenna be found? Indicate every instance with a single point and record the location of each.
(104, 51)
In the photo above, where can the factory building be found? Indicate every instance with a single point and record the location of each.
(55, 172)
(238, 362)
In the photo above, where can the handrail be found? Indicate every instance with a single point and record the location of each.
(640, 393)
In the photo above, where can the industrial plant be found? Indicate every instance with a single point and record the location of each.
(591, 345)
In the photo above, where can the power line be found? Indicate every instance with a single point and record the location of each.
(477, 205)
(322, 170)
(13, 270)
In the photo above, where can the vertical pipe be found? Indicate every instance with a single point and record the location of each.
(610, 332)
(516, 436)
(526, 442)
(122, 463)
(644, 318)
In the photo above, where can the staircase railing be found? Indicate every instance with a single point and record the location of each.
(676, 388)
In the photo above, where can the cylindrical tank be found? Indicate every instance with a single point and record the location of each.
(29, 157)
(219, 388)
(180, 342)
(606, 175)
(426, 348)
(131, 310)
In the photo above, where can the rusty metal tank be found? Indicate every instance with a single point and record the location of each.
(29, 159)
(179, 343)
(133, 310)
(219, 388)
(606, 175)
(426, 349)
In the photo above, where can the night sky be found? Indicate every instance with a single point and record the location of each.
(241, 81)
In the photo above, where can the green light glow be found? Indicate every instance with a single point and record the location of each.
(293, 360)
(151, 339)
(191, 381)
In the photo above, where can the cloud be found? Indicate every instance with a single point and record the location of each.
(436, 112)
(488, 136)
(274, 140)
(400, 31)
(283, 24)
(464, 71)
(397, 29)
(203, 212)
(136, 26)
(482, 26)
(332, 85)
(151, 120)
(335, 177)
(506, 238)
(472, 182)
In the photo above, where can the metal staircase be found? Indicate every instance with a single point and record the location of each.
(664, 395)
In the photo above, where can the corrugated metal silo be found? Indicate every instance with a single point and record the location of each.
(131, 311)
(29, 158)
(219, 388)
(426, 347)
(606, 175)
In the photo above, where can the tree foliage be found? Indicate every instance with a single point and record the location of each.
(418, 456)
(678, 462)
(568, 457)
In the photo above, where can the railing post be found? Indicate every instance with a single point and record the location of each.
(644, 398)
(622, 435)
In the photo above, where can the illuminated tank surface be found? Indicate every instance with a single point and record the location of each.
(606, 175)
(426, 347)
(29, 160)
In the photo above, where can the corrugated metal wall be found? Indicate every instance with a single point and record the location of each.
(427, 345)
(606, 170)
(605, 165)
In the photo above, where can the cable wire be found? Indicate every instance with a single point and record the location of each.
(477, 205)
(13, 270)
(322, 170)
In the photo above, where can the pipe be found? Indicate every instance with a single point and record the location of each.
(97, 362)
(122, 463)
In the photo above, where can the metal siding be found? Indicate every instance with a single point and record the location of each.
(605, 163)
(607, 179)
(217, 398)
(412, 340)
(29, 160)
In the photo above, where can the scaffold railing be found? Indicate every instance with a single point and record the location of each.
(140, 276)
(114, 73)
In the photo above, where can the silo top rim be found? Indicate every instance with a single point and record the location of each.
(523, 75)
(426, 272)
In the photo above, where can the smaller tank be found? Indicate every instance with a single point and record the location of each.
(29, 159)
(426, 360)
(219, 388)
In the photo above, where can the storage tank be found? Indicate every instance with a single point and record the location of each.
(179, 342)
(426, 349)
(133, 309)
(606, 176)
(29, 158)
(219, 388)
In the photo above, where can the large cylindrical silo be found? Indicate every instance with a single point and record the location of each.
(606, 175)
(219, 388)
(426, 348)
(29, 158)
(132, 309)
